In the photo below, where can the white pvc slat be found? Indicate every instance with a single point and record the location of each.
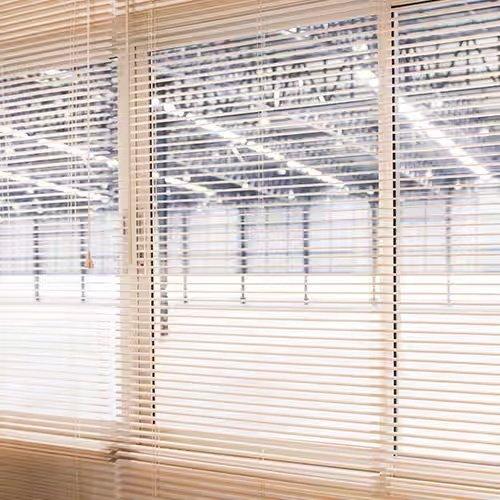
(59, 276)
(249, 249)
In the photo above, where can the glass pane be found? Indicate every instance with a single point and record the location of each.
(265, 184)
(58, 206)
(449, 232)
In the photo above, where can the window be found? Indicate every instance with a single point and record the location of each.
(58, 208)
(249, 249)
(59, 275)
(446, 58)
(266, 148)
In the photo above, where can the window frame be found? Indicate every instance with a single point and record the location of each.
(141, 212)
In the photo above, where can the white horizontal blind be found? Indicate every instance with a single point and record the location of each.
(58, 262)
(306, 306)
(259, 346)
(48, 476)
(447, 137)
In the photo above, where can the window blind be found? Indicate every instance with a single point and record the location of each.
(249, 249)
(307, 202)
(260, 348)
(447, 137)
(58, 230)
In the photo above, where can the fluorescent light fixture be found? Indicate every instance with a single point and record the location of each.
(364, 74)
(359, 46)
(43, 184)
(169, 107)
(262, 149)
(228, 134)
(419, 122)
(82, 153)
(254, 146)
(52, 72)
(277, 156)
(264, 121)
(313, 172)
(293, 164)
(293, 32)
(155, 102)
(445, 142)
(433, 132)
(367, 76)
(190, 186)
(237, 153)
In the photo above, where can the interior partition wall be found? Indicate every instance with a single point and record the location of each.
(250, 250)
